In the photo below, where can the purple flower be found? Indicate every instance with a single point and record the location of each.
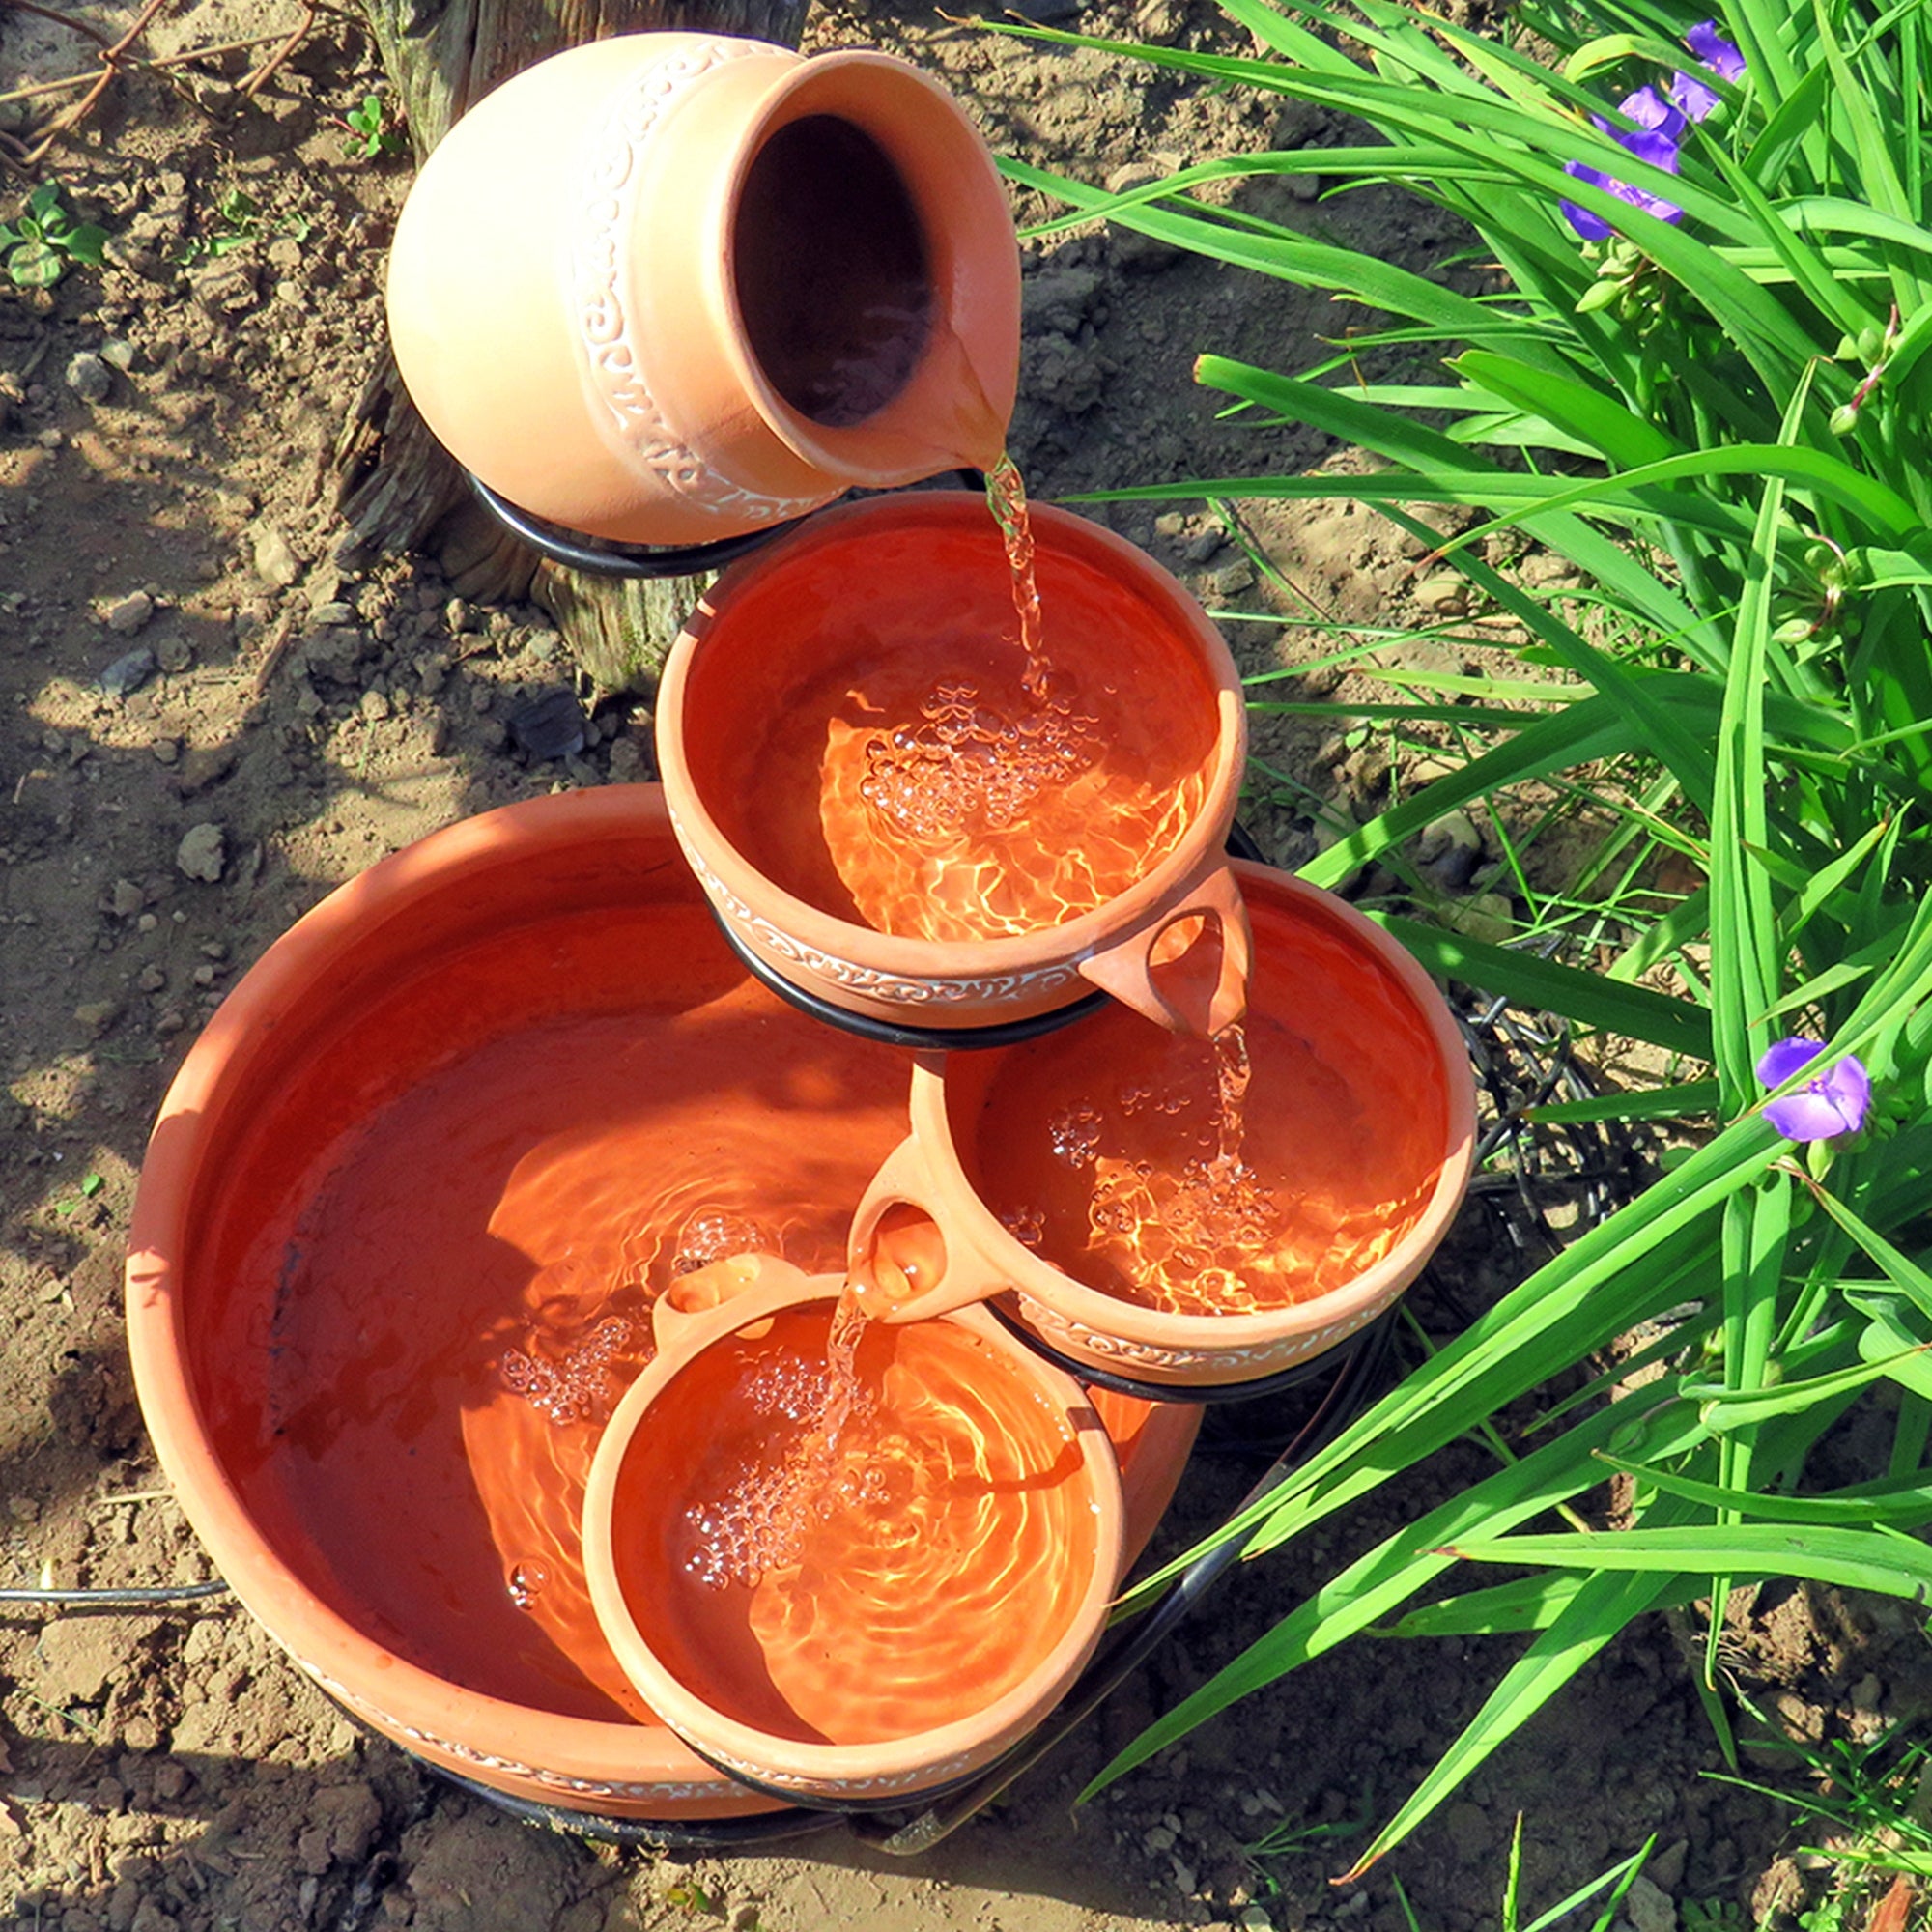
(1834, 1104)
(1696, 100)
(1715, 55)
(1660, 128)
(1715, 52)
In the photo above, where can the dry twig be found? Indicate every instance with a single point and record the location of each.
(257, 81)
(70, 118)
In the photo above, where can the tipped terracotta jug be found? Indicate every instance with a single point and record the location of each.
(1063, 1177)
(476, 1104)
(856, 1618)
(671, 287)
(834, 662)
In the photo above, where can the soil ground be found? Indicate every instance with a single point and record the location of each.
(209, 718)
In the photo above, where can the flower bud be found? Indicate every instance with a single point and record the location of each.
(1844, 419)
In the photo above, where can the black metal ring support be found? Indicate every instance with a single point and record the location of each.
(720, 1834)
(605, 557)
(895, 1033)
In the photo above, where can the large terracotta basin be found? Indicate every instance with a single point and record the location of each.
(395, 1247)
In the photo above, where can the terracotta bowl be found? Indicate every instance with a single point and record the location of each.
(1359, 1121)
(806, 659)
(474, 1109)
(670, 287)
(945, 1577)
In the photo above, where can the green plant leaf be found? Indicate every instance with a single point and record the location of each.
(35, 264)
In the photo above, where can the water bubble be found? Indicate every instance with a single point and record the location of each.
(527, 1581)
(1027, 1225)
(575, 1387)
(1074, 1133)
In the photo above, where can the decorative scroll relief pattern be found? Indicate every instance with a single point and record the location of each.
(1075, 1338)
(553, 1781)
(883, 1783)
(855, 979)
(599, 261)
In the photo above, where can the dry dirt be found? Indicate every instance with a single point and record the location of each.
(208, 721)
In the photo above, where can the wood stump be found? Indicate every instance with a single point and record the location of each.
(396, 487)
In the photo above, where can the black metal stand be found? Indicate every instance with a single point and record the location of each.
(605, 557)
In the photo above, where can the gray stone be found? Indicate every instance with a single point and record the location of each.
(118, 354)
(125, 675)
(1649, 1907)
(1452, 831)
(274, 557)
(89, 377)
(548, 725)
(1445, 595)
(203, 852)
(1489, 918)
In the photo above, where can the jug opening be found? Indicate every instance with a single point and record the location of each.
(831, 266)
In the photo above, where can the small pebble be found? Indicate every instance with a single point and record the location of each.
(274, 559)
(126, 898)
(548, 725)
(89, 377)
(126, 614)
(166, 751)
(203, 852)
(176, 653)
(125, 675)
(117, 354)
(1446, 595)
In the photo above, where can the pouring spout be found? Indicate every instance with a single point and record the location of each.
(1190, 973)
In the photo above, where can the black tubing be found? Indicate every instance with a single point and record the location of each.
(115, 1600)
